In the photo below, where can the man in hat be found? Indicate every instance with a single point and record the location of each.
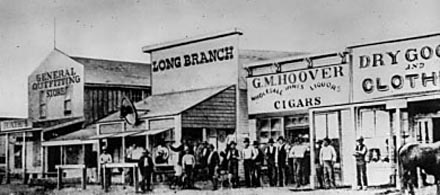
(248, 165)
(233, 156)
(146, 168)
(327, 159)
(281, 160)
(257, 159)
(298, 152)
(269, 154)
(212, 162)
(104, 159)
(361, 164)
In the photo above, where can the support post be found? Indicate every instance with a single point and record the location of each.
(135, 179)
(59, 178)
(312, 150)
(84, 177)
(8, 166)
(398, 145)
(24, 158)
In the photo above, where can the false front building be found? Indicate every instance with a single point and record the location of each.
(66, 96)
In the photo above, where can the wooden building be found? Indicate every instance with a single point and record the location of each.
(67, 94)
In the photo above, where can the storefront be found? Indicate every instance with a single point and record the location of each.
(20, 157)
(281, 94)
(394, 99)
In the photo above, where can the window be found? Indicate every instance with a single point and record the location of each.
(327, 125)
(269, 128)
(68, 101)
(43, 106)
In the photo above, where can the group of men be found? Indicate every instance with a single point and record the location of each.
(286, 163)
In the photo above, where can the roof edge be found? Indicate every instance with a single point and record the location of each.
(185, 41)
(291, 58)
(394, 40)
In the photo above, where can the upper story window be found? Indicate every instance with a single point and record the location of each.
(68, 101)
(43, 105)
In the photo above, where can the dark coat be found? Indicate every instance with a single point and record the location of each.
(214, 161)
(142, 167)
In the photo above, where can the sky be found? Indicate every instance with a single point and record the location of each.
(117, 29)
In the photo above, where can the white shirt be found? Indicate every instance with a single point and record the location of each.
(298, 151)
(327, 153)
(247, 153)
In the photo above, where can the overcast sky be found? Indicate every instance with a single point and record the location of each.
(118, 29)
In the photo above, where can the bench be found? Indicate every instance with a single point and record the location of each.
(133, 166)
(60, 169)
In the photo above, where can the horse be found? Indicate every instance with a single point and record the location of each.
(416, 155)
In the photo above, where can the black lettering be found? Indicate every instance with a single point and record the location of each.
(317, 101)
(364, 61)
(411, 78)
(377, 60)
(256, 83)
(426, 79)
(397, 82)
(393, 56)
(187, 59)
(195, 59)
(367, 85)
(426, 52)
(409, 57)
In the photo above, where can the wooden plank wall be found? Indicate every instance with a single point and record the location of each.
(217, 112)
(102, 101)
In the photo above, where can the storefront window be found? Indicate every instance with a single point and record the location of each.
(269, 128)
(73, 154)
(375, 128)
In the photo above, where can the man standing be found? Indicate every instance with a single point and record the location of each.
(281, 160)
(188, 164)
(232, 157)
(361, 164)
(247, 162)
(319, 168)
(104, 159)
(270, 159)
(257, 158)
(213, 161)
(298, 152)
(146, 168)
(327, 158)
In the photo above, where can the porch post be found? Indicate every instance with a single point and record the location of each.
(398, 144)
(312, 149)
(24, 158)
(8, 167)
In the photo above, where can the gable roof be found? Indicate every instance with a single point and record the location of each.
(102, 71)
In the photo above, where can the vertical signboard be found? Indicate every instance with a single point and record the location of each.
(202, 64)
(298, 90)
(396, 68)
(56, 88)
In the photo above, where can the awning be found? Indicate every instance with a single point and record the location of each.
(102, 136)
(123, 134)
(151, 132)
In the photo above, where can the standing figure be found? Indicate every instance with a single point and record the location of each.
(188, 164)
(361, 164)
(248, 166)
(257, 158)
(319, 168)
(104, 159)
(213, 162)
(298, 152)
(233, 156)
(269, 154)
(129, 159)
(146, 167)
(281, 160)
(327, 158)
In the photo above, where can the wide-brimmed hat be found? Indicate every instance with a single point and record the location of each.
(280, 138)
(327, 140)
(360, 139)
(319, 141)
(270, 141)
(255, 143)
(246, 140)
(232, 143)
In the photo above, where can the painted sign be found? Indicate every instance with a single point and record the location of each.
(15, 124)
(299, 89)
(56, 88)
(209, 63)
(396, 68)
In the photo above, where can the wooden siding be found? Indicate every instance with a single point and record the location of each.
(216, 112)
(103, 101)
